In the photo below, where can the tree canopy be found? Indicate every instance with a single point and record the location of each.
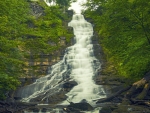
(123, 27)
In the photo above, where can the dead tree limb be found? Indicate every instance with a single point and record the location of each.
(113, 96)
(141, 102)
(139, 84)
(144, 92)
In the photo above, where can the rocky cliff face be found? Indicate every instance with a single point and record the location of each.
(38, 64)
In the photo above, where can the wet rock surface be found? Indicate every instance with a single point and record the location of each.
(106, 110)
(69, 85)
(81, 106)
(78, 107)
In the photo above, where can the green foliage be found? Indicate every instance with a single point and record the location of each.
(124, 29)
(7, 83)
(47, 29)
(22, 33)
(11, 57)
(13, 14)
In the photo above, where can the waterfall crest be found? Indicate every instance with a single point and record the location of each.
(78, 64)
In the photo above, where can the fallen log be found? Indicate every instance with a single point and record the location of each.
(140, 102)
(113, 96)
(144, 92)
(141, 83)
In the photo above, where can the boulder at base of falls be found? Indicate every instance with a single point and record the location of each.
(69, 85)
(74, 107)
(105, 110)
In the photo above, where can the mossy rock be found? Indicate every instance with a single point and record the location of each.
(105, 110)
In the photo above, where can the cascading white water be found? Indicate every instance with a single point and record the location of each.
(78, 64)
(84, 64)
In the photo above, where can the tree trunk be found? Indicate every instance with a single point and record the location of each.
(144, 82)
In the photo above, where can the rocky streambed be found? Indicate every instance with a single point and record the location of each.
(116, 88)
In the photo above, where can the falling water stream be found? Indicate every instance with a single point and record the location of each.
(84, 65)
(78, 64)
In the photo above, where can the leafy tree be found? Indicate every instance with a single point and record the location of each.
(13, 15)
(140, 13)
(123, 27)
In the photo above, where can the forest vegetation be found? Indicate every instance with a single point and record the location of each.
(22, 33)
(123, 28)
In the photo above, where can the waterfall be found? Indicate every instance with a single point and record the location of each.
(78, 64)
(84, 65)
